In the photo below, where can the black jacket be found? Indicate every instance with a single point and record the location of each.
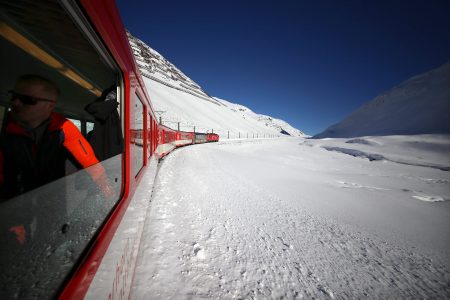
(106, 138)
(26, 163)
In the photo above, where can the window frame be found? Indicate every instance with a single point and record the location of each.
(85, 29)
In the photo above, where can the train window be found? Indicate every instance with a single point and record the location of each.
(2, 116)
(89, 127)
(138, 134)
(48, 52)
(76, 123)
(149, 135)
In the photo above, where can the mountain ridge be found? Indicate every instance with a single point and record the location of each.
(153, 66)
(418, 105)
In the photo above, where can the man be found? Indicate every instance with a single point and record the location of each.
(36, 142)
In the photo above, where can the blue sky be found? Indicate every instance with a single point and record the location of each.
(310, 63)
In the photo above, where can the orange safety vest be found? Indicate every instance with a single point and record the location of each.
(25, 164)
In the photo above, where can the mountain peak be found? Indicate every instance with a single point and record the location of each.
(185, 104)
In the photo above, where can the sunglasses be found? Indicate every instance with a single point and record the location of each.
(27, 100)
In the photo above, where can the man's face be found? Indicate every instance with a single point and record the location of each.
(32, 115)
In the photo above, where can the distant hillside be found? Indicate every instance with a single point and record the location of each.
(182, 102)
(279, 125)
(420, 105)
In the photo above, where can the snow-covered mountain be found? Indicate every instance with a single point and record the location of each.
(420, 105)
(182, 102)
(279, 125)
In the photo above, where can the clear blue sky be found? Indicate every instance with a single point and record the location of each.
(310, 63)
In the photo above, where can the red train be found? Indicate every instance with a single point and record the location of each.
(80, 242)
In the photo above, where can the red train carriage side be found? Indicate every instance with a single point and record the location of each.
(76, 240)
(213, 137)
(205, 137)
(188, 137)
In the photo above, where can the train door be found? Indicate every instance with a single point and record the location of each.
(138, 134)
(47, 224)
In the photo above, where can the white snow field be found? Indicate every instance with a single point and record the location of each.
(293, 218)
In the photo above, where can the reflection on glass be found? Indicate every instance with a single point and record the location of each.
(57, 221)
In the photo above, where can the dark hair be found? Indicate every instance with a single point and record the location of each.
(49, 85)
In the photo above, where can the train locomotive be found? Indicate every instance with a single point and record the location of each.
(77, 241)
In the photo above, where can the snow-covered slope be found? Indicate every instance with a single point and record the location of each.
(279, 125)
(182, 102)
(420, 105)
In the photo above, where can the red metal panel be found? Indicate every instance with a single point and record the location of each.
(101, 12)
(106, 20)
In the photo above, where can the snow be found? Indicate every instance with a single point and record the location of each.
(361, 216)
(181, 101)
(191, 111)
(288, 218)
(278, 124)
(420, 105)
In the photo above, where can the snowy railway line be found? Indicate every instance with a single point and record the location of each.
(287, 219)
(243, 219)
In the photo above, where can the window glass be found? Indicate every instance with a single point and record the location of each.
(48, 218)
(77, 123)
(89, 127)
(138, 134)
(149, 137)
(2, 115)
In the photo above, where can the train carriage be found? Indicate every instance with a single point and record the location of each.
(213, 137)
(75, 242)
